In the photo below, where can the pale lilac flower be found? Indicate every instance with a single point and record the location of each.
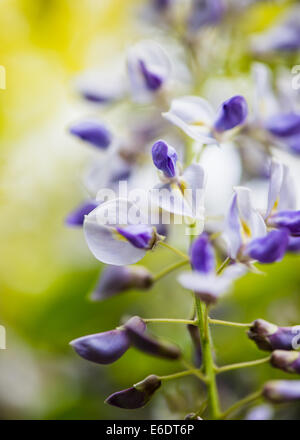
(149, 69)
(279, 391)
(116, 234)
(197, 118)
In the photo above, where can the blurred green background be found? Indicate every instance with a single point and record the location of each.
(46, 270)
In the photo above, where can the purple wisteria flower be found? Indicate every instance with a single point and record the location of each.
(149, 69)
(180, 193)
(118, 279)
(197, 118)
(164, 158)
(76, 217)
(93, 132)
(269, 337)
(136, 396)
(288, 361)
(246, 233)
(279, 391)
(203, 280)
(205, 13)
(116, 234)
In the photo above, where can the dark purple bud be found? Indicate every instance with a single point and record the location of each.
(203, 255)
(153, 80)
(286, 219)
(117, 279)
(192, 416)
(288, 361)
(294, 244)
(270, 248)
(164, 158)
(232, 113)
(76, 217)
(284, 125)
(92, 132)
(150, 345)
(195, 336)
(136, 396)
(270, 337)
(140, 236)
(102, 348)
(205, 13)
(279, 391)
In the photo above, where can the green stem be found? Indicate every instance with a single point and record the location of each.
(249, 399)
(242, 365)
(169, 269)
(170, 320)
(208, 363)
(228, 323)
(223, 265)
(188, 372)
(175, 250)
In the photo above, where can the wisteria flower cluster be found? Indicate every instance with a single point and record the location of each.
(168, 129)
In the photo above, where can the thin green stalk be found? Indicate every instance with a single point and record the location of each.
(238, 405)
(169, 269)
(176, 375)
(175, 250)
(170, 320)
(242, 365)
(208, 363)
(223, 265)
(228, 323)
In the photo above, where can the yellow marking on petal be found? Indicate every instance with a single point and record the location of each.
(246, 229)
(198, 123)
(118, 236)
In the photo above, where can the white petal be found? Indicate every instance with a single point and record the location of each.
(248, 214)
(194, 116)
(100, 235)
(275, 184)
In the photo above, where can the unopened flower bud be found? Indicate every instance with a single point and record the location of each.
(117, 279)
(136, 396)
(270, 337)
(93, 132)
(288, 361)
(150, 345)
(192, 416)
(278, 391)
(195, 336)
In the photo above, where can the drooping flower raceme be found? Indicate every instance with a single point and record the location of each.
(197, 118)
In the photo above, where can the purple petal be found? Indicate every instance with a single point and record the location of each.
(205, 13)
(102, 348)
(270, 248)
(203, 255)
(269, 337)
(153, 80)
(288, 361)
(136, 396)
(233, 229)
(76, 217)
(294, 144)
(286, 219)
(232, 113)
(150, 345)
(92, 132)
(294, 244)
(279, 391)
(164, 158)
(284, 125)
(117, 279)
(140, 236)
